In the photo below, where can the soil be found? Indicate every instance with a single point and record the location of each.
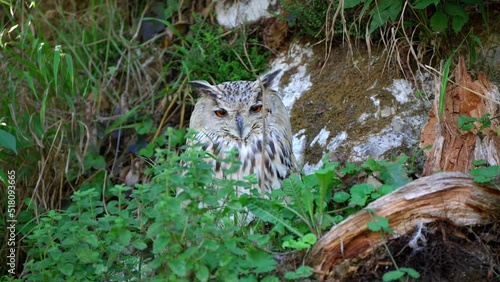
(449, 254)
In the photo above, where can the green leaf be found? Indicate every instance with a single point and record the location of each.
(476, 40)
(202, 273)
(465, 122)
(159, 244)
(458, 22)
(380, 224)
(140, 245)
(100, 269)
(454, 10)
(155, 229)
(301, 272)
(248, 278)
(411, 272)
(299, 194)
(231, 246)
(55, 253)
(260, 261)
(485, 121)
(392, 275)
(85, 255)
(378, 20)
(385, 10)
(295, 244)
(351, 3)
(124, 237)
(310, 239)
(442, 87)
(270, 278)
(260, 239)
(350, 169)
(360, 193)
(374, 226)
(439, 22)
(371, 165)
(94, 161)
(485, 174)
(92, 240)
(341, 197)
(178, 266)
(264, 210)
(477, 163)
(8, 141)
(67, 269)
(394, 174)
(385, 189)
(422, 4)
(325, 174)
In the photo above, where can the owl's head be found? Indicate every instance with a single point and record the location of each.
(233, 109)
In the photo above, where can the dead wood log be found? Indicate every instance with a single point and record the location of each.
(450, 196)
(452, 148)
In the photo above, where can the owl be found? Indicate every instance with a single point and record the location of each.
(231, 115)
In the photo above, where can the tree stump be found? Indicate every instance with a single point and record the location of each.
(451, 196)
(452, 148)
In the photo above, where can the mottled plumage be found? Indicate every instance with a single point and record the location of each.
(230, 115)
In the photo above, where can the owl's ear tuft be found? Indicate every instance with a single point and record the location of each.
(204, 87)
(268, 78)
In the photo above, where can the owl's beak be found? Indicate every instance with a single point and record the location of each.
(239, 124)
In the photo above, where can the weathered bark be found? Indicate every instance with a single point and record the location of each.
(452, 148)
(450, 196)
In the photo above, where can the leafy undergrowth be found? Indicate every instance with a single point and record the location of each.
(185, 225)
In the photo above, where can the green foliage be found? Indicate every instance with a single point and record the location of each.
(151, 230)
(61, 69)
(473, 43)
(466, 123)
(380, 224)
(310, 200)
(301, 272)
(363, 18)
(478, 163)
(442, 86)
(310, 16)
(440, 13)
(400, 273)
(212, 54)
(198, 233)
(51, 71)
(446, 11)
(384, 11)
(485, 174)
(8, 140)
(302, 243)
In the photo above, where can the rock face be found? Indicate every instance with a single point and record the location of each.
(234, 13)
(356, 106)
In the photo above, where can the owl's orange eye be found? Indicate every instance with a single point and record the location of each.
(221, 113)
(256, 108)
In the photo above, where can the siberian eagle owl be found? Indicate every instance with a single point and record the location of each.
(231, 115)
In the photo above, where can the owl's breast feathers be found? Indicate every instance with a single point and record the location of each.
(278, 158)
